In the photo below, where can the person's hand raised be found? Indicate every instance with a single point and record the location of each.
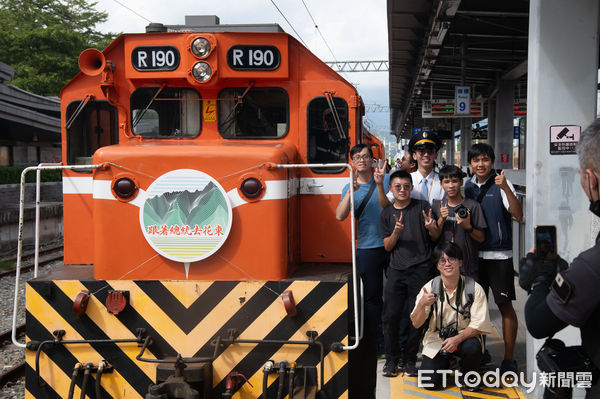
(399, 225)
(379, 172)
(427, 299)
(500, 180)
(429, 221)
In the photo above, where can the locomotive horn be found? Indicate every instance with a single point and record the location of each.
(91, 62)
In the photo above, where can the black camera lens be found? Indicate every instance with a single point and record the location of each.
(447, 332)
(461, 211)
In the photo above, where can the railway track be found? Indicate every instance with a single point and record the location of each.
(12, 358)
(18, 370)
(46, 256)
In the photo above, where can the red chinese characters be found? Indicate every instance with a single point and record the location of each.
(185, 230)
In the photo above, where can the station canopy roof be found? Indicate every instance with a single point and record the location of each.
(435, 45)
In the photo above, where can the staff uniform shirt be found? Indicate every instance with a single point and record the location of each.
(479, 320)
(496, 255)
(434, 187)
(369, 235)
(414, 244)
(452, 232)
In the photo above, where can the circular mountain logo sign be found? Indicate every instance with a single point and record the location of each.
(186, 216)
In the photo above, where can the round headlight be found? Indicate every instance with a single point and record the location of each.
(251, 187)
(200, 47)
(201, 71)
(124, 187)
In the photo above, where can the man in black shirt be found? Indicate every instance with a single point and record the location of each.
(467, 231)
(407, 228)
(571, 297)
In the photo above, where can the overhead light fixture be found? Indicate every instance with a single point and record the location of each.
(444, 26)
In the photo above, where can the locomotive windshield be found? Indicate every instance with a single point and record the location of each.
(165, 112)
(93, 125)
(253, 112)
(327, 140)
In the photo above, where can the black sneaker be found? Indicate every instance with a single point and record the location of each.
(487, 358)
(401, 364)
(470, 387)
(390, 368)
(508, 365)
(410, 369)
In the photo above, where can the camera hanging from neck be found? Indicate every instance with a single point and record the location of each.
(457, 302)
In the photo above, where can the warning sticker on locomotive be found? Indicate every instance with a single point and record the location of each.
(209, 110)
(258, 57)
(186, 216)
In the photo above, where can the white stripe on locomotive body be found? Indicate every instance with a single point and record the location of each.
(276, 189)
(77, 185)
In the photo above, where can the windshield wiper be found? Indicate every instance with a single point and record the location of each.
(141, 114)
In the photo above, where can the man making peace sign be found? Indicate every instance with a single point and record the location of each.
(407, 229)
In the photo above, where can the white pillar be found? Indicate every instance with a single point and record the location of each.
(562, 86)
(504, 132)
(466, 138)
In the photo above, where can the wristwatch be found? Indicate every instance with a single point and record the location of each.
(470, 230)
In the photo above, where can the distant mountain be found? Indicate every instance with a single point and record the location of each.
(201, 208)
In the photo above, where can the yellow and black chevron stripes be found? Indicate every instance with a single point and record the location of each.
(185, 317)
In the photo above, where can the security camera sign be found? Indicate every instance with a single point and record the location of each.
(564, 139)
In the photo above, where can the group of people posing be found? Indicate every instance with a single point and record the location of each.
(440, 251)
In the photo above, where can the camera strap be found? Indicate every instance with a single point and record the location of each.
(466, 284)
(486, 186)
(363, 204)
(442, 294)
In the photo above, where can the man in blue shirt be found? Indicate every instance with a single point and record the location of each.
(371, 257)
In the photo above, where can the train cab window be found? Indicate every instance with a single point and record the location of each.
(253, 112)
(327, 140)
(166, 112)
(89, 126)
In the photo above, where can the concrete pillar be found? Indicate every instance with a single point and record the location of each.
(503, 137)
(491, 121)
(466, 139)
(562, 85)
(450, 151)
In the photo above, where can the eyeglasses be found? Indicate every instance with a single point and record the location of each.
(365, 157)
(429, 151)
(443, 261)
(400, 187)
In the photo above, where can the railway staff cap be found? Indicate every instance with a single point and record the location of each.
(424, 139)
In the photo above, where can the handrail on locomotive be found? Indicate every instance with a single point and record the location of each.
(40, 167)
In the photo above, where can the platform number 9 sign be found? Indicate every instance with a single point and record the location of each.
(462, 100)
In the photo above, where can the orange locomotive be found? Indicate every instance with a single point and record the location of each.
(202, 256)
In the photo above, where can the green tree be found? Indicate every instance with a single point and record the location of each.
(42, 39)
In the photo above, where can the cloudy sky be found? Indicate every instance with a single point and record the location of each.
(354, 30)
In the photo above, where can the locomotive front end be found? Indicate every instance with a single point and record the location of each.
(162, 211)
(202, 256)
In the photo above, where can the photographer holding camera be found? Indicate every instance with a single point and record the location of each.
(571, 296)
(454, 309)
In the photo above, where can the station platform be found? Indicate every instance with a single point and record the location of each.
(406, 387)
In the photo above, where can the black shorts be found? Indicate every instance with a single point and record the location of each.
(498, 275)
